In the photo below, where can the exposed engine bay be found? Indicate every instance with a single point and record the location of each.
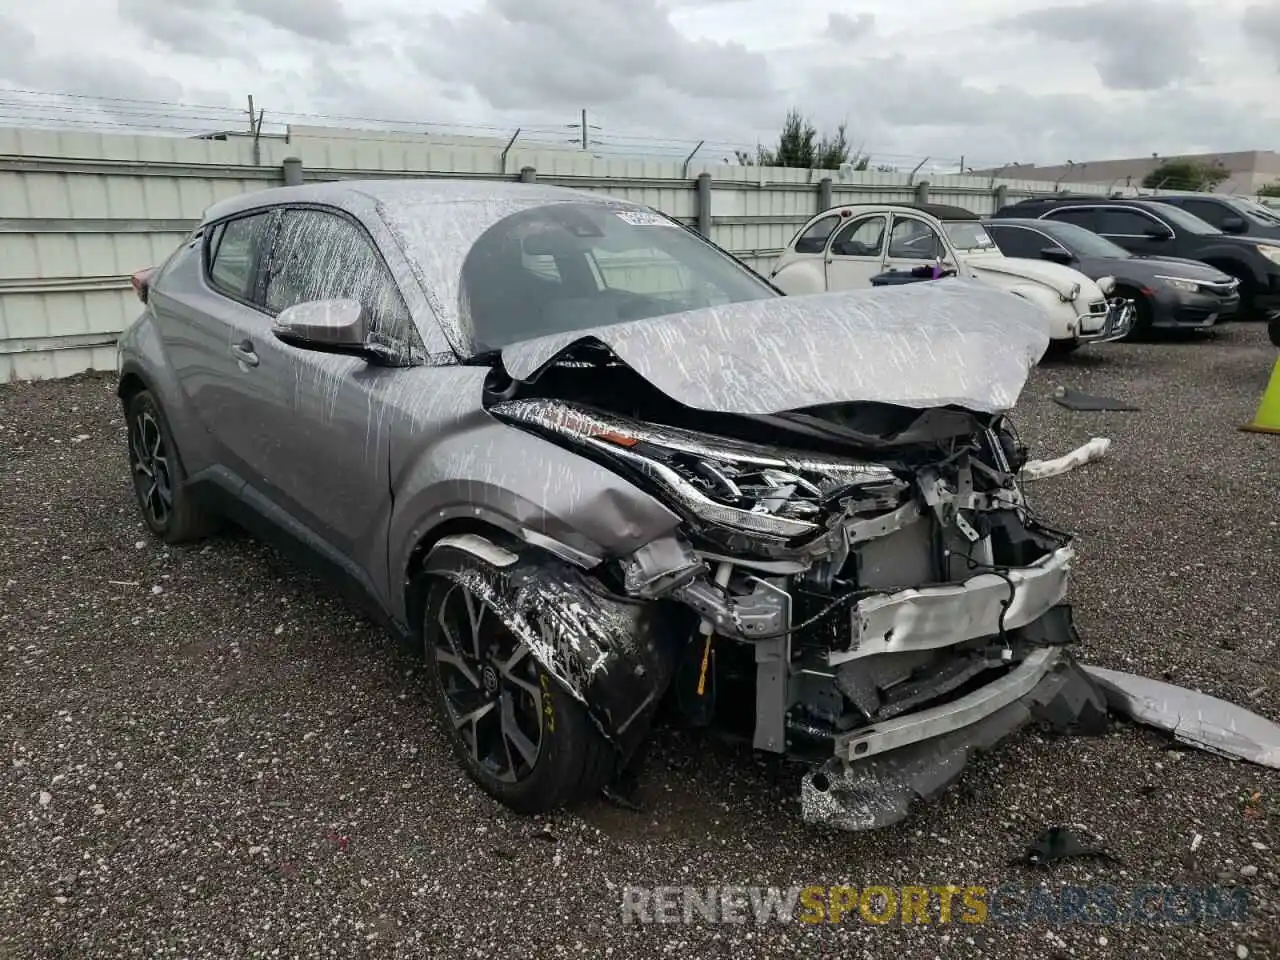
(869, 584)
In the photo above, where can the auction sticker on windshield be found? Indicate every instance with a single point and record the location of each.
(638, 218)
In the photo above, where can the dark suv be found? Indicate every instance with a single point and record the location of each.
(1229, 214)
(1148, 227)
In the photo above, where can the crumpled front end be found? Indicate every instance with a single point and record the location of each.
(881, 612)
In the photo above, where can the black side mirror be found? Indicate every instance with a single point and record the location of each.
(1057, 255)
(1234, 224)
(1159, 233)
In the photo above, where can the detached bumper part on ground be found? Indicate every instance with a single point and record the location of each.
(1193, 718)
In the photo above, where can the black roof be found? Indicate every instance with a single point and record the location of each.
(1020, 222)
(1077, 198)
(942, 211)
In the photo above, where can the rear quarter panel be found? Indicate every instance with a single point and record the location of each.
(141, 353)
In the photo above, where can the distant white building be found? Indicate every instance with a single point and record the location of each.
(1246, 170)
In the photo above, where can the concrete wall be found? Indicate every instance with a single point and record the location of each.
(80, 212)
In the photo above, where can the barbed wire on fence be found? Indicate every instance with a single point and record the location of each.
(78, 112)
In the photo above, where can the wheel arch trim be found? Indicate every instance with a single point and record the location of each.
(613, 654)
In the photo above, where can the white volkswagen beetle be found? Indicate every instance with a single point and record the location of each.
(845, 247)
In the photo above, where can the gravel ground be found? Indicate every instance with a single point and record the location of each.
(209, 758)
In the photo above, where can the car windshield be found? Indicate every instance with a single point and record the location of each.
(1182, 220)
(562, 267)
(969, 236)
(1083, 242)
(1255, 211)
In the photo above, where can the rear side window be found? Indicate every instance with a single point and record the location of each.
(814, 240)
(232, 251)
(1127, 223)
(320, 255)
(1080, 216)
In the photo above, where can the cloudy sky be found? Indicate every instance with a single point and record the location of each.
(1021, 80)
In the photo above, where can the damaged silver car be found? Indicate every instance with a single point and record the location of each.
(598, 471)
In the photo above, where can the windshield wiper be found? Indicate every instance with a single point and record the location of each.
(485, 358)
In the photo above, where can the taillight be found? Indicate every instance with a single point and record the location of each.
(141, 281)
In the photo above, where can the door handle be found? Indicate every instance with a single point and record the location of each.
(243, 351)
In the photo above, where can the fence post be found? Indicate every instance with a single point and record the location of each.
(528, 174)
(703, 204)
(824, 194)
(922, 191)
(291, 167)
(1002, 195)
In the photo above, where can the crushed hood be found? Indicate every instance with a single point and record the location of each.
(1053, 275)
(948, 342)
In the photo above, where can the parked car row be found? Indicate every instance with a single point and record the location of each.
(849, 247)
(1103, 268)
(1165, 227)
(1166, 291)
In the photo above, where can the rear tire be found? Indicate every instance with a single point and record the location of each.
(515, 730)
(159, 482)
(1273, 330)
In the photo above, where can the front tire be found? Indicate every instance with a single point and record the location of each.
(159, 483)
(1142, 314)
(515, 730)
(1061, 348)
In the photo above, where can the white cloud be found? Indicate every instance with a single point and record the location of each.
(1040, 80)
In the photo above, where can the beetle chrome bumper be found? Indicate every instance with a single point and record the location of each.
(1115, 324)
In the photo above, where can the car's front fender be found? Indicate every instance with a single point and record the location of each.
(461, 464)
(798, 275)
(1063, 320)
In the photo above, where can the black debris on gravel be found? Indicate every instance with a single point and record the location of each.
(1077, 400)
(207, 756)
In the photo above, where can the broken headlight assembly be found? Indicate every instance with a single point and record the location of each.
(746, 487)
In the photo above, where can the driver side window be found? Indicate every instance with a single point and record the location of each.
(914, 240)
(319, 255)
(1020, 242)
(1207, 210)
(861, 238)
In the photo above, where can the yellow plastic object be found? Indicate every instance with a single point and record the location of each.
(706, 662)
(1267, 419)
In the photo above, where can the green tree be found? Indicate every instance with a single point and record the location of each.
(800, 146)
(1269, 189)
(1184, 175)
